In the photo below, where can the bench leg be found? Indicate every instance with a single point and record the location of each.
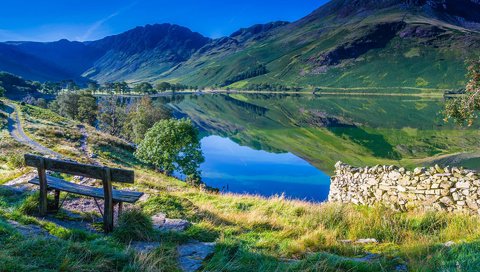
(120, 208)
(42, 177)
(57, 200)
(108, 201)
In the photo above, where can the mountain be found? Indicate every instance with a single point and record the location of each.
(144, 52)
(353, 43)
(371, 44)
(73, 58)
(17, 61)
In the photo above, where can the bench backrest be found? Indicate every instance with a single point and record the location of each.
(84, 170)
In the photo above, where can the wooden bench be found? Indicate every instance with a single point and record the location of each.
(107, 175)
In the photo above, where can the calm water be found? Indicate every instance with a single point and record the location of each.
(272, 144)
(240, 169)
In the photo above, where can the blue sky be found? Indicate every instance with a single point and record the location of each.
(82, 20)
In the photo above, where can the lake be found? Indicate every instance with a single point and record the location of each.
(272, 144)
(234, 168)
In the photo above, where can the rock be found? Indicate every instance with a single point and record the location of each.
(366, 241)
(175, 225)
(191, 255)
(159, 219)
(144, 247)
(370, 257)
(394, 175)
(446, 200)
(418, 171)
(462, 185)
(449, 244)
(401, 268)
(161, 222)
(31, 231)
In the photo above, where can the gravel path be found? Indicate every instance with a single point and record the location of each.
(15, 129)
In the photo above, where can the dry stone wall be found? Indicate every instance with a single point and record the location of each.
(449, 189)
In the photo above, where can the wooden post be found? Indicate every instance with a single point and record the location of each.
(108, 206)
(42, 177)
(57, 200)
(120, 208)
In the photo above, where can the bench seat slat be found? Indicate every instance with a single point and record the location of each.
(63, 185)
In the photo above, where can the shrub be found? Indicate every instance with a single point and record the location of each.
(133, 225)
(30, 205)
(16, 161)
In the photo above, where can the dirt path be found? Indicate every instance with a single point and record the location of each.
(15, 129)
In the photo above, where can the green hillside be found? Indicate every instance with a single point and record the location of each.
(248, 232)
(409, 50)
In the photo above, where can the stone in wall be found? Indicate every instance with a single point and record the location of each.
(449, 189)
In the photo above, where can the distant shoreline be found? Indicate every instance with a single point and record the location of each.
(438, 94)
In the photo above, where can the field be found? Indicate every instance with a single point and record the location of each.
(274, 234)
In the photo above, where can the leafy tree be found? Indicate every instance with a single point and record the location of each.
(111, 115)
(93, 85)
(67, 104)
(142, 116)
(120, 87)
(2, 91)
(51, 87)
(464, 109)
(172, 145)
(42, 103)
(87, 108)
(144, 87)
(70, 85)
(81, 106)
(163, 86)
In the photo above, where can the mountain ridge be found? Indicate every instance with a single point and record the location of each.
(342, 37)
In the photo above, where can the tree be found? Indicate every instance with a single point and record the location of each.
(172, 145)
(464, 109)
(111, 115)
(70, 85)
(42, 103)
(144, 88)
(67, 104)
(2, 91)
(87, 108)
(51, 87)
(142, 115)
(93, 85)
(120, 87)
(80, 106)
(163, 86)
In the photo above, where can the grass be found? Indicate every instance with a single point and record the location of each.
(251, 232)
(134, 225)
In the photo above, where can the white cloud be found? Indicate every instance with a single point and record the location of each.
(98, 24)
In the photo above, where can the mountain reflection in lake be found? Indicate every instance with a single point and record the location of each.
(272, 143)
(234, 168)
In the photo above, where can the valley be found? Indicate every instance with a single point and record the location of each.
(345, 139)
(333, 47)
